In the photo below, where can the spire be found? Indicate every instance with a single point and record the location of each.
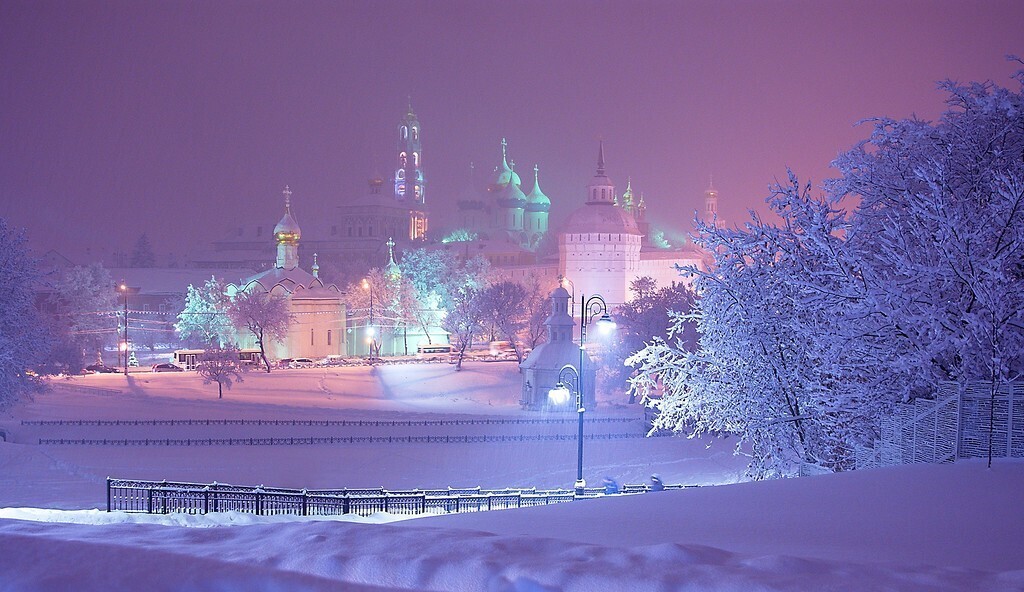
(287, 235)
(600, 158)
(409, 97)
(392, 269)
(504, 152)
(316, 267)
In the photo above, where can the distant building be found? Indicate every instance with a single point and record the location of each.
(500, 211)
(318, 314)
(541, 368)
(602, 247)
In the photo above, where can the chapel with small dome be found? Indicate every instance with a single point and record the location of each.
(317, 327)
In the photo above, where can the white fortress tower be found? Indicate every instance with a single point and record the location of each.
(599, 246)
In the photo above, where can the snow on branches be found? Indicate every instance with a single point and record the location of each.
(810, 327)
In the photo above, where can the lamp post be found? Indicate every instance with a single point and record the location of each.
(568, 383)
(124, 339)
(589, 308)
(371, 332)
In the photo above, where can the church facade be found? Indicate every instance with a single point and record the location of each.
(317, 312)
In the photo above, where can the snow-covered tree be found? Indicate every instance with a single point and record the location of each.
(503, 309)
(647, 315)
(24, 340)
(264, 315)
(538, 307)
(85, 310)
(463, 320)
(811, 327)
(220, 365)
(204, 318)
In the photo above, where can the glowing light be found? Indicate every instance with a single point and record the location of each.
(605, 324)
(559, 395)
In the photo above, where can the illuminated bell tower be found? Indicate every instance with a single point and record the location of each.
(287, 235)
(710, 203)
(409, 185)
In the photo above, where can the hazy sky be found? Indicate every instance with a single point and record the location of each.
(177, 118)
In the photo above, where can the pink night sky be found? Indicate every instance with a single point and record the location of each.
(180, 118)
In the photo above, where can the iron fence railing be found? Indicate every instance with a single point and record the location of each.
(315, 440)
(390, 423)
(164, 497)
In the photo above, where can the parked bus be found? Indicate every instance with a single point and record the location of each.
(434, 349)
(190, 358)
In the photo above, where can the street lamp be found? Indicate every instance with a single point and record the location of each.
(371, 333)
(568, 382)
(124, 342)
(589, 308)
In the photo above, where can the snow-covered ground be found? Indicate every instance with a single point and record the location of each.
(952, 527)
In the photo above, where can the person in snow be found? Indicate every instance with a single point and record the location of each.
(656, 484)
(610, 486)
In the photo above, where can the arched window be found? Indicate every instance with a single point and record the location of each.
(402, 159)
(405, 132)
(401, 174)
(415, 159)
(415, 134)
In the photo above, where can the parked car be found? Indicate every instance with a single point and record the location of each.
(101, 369)
(301, 363)
(285, 363)
(167, 367)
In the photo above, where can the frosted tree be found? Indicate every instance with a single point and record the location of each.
(24, 341)
(204, 318)
(221, 366)
(811, 327)
(538, 307)
(264, 315)
(503, 309)
(464, 320)
(84, 308)
(647, 315)
(940, 227)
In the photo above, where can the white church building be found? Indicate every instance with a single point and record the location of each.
(317, 326)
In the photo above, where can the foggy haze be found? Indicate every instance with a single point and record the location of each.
(180, 119)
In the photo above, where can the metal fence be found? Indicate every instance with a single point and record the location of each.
(165, 497)
(955, 424)
(324, 422)
(320, 440)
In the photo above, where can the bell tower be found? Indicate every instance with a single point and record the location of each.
(409, 184)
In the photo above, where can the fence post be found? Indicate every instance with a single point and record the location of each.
(259, 499)
(206, 500)
(345, 507)
(303, 502)
(149, 500)
(108, 494)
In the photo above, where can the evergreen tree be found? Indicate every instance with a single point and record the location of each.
(204, 318)
(142, 254)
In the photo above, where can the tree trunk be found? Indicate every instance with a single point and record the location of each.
(220, 390)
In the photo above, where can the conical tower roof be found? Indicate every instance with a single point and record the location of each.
(537, 196)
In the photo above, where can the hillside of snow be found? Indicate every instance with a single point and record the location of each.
(950, 527)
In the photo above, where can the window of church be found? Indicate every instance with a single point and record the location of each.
(415, 159)
(415, 134)
(401, 174)
(311, 337)
(405, 132)
(328, 337)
